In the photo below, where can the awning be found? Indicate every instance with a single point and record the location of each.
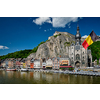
(48, 66)
(65, 66)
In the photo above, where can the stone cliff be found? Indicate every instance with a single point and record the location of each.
(57, 45)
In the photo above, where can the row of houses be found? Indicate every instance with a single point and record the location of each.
(50, 63)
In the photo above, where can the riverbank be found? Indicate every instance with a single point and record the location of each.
(85, 72)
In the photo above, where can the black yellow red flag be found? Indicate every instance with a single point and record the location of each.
(90, 39)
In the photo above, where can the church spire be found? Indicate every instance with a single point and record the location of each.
(78, 37)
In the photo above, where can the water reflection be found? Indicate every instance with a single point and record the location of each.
(11, 77)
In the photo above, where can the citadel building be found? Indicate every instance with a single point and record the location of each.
(79, 57)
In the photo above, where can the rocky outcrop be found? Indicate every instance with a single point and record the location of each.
(32, 55)
(56, 46)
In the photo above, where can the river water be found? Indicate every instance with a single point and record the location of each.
(16, 77)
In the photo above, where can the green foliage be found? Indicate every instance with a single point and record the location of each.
(17, 54)
(35, 48)
(95, 49)
(63, 68)
(47, 40)
(67, 44)
(71, 68)
(21, 53)
(57, 35)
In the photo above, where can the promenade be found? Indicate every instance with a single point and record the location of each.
(94, 72)
(80, 71)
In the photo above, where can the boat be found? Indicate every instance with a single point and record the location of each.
(24, 69)
(10, 69)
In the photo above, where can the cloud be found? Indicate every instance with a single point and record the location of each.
(56, 21)
(3, 47)
(85, 36)
(69, 25)
(45, 30)
(41, 20)
(63, 21)
(50, 29)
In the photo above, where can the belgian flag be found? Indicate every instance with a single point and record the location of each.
(89, 40)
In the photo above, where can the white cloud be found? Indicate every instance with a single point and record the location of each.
(63, 21)
(45, 30)
(56, 21)
(50, 29)
(3, 47)
(41, 20)
(85, 36)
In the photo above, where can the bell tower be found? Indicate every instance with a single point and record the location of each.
(78, 37)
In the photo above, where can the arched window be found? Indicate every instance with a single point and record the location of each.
(83, 62)
(72, 62)
(77, 57)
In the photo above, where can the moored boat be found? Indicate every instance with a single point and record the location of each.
(23, 69)
(10, 69)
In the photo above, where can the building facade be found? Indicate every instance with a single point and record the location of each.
(55, 63)
(64, 62)
(49, 63)
(37, 63)
(79, 57)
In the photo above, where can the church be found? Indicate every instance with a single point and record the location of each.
(79, 57)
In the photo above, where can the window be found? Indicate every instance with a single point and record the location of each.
(77, 57)
(72, 57)
(72, 62)
(83, 62)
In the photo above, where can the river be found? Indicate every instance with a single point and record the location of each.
(16, 77)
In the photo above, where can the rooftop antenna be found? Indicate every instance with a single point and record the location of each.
(78, 23)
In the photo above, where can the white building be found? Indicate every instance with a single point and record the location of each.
(37, 63)
(49, 63)
(43, 65)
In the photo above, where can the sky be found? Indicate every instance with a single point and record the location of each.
(20, 33)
